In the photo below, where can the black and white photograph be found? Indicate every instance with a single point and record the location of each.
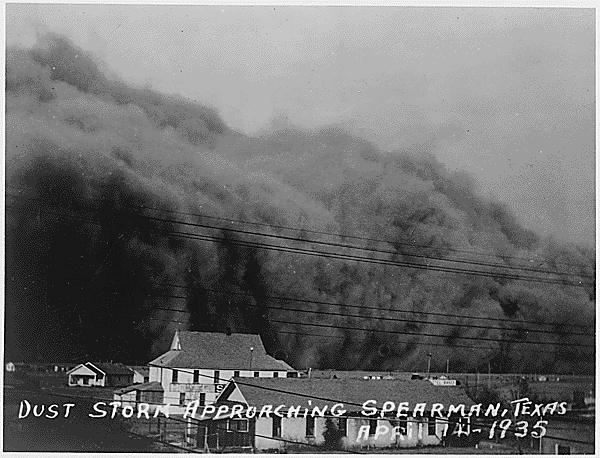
(327, 228)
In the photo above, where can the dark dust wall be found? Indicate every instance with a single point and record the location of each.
(84, 272)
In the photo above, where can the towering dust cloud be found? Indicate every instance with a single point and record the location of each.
(87, 277)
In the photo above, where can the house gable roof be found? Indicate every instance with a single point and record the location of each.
(352, 392)
(112, 368)
(214, 350)
(93, 370)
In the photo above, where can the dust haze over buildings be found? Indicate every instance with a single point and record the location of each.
(80, 138)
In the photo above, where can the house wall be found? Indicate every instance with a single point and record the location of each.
(294, 429)
(185, 382)
(571, 434)
(126, 399)
(118, 380)
(134, 397)
(84, 371)
(417, 434)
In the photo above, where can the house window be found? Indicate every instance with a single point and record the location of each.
(202, 399)
(174, 376)
(181, 399)
(372, 427)
(431, 426)
(276, 426)
(563, 449)
(310, 426)
(257, 374)
(217, 378)
(238, 425)
(196, 376)
(343, 426)
(275, 374)
(236, 374)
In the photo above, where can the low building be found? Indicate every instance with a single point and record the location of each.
(149, 392)
(354, 430)
(568, 436)
(198, 365)
(141, 374)
(100, 374)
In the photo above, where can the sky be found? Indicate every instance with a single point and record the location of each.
(506, 94)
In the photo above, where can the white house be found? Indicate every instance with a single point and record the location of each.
(356, 431)
(198, 365)
(100, 374)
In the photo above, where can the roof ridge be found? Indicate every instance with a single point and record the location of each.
(221, 333)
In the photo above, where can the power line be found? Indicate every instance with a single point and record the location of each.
(334, 255)
(341, 304)
(312, 231)
(429, 322)
(422, 344)
(430, 334)
(267, 297)
(330, 255)
(318, 312)
(387, 331)
(339, 245)
(355, 247)
(334, 234)
(307, 334)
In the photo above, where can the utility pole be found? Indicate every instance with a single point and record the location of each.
(251, 355)
(489, 376)
(447, 366)
(428, 364)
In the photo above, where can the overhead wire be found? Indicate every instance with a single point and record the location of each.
(265, 297)
(341, 256)
(339, 245)
(333, 234)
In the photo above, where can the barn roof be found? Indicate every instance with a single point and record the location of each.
(214, 350)
(352, 392)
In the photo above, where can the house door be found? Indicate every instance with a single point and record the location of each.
(212, 436)
(201, 437)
